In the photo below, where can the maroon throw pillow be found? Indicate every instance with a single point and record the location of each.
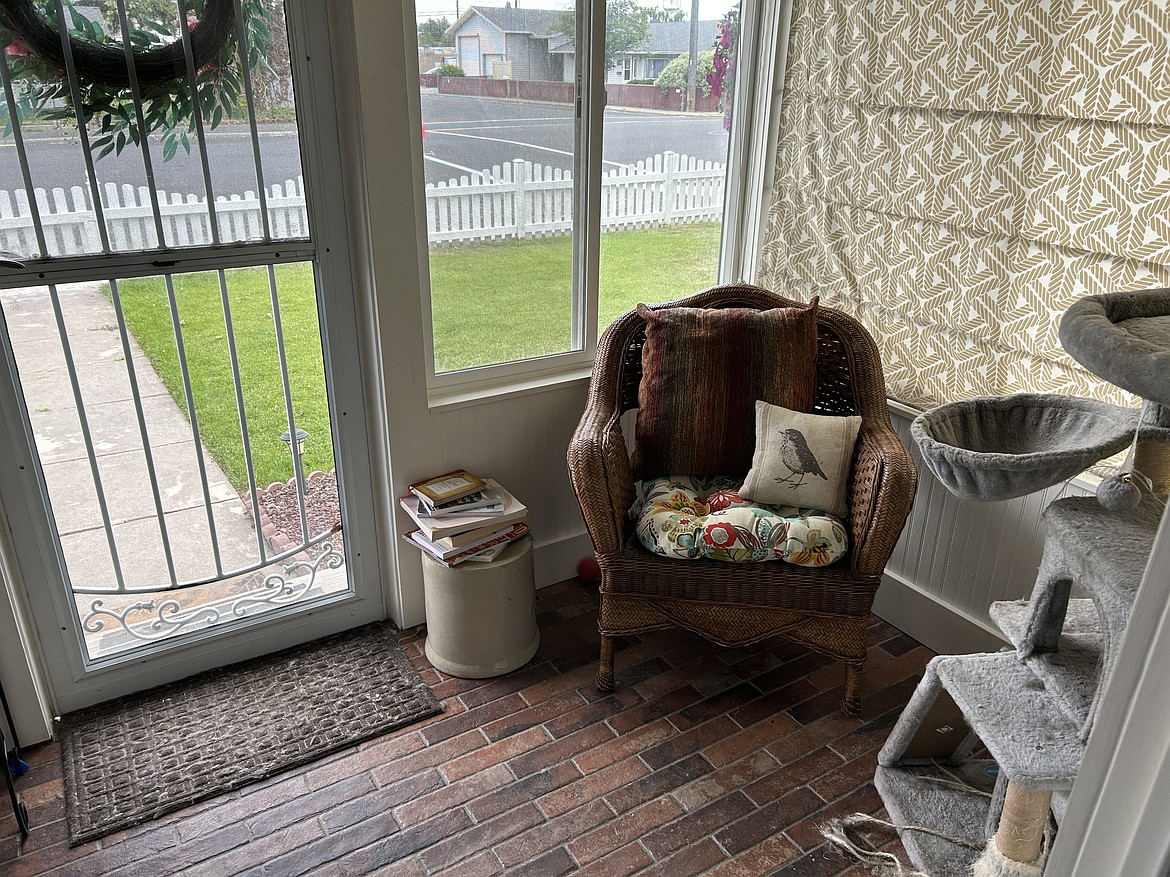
(703, 370)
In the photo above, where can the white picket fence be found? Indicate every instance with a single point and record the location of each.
(523, 199)
(515, 200)
(71, 227)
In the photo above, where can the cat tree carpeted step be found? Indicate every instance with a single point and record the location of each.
(923, 795)
(1008, 707)
(1070, 673)
(1105, 553)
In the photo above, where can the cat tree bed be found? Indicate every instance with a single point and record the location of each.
(1123, 337)
(1000, 447)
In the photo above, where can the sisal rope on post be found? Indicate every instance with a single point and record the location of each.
(1022, 823)
(1020, 846)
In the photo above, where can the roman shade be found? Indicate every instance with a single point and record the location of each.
(954, 174)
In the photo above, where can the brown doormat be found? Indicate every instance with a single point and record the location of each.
(130, 760)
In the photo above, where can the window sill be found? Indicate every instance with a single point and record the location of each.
(463, 397)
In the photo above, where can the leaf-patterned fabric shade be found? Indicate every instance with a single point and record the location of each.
(956, 173)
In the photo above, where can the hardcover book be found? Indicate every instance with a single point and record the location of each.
(487, 498)
(448, 486)
(512, 533)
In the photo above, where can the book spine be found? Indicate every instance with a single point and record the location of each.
(515, 533)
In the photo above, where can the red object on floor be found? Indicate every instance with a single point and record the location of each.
(588, 570)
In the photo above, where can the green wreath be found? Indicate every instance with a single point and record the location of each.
(30, 32)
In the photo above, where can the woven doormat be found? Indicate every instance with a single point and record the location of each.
(132, 759)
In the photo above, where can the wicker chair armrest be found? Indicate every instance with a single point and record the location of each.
(599, 463)
(882, 490)
(600, 472)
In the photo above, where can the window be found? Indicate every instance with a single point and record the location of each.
(555, 201)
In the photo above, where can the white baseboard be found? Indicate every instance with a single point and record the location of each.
(557, 560)
(939, 627)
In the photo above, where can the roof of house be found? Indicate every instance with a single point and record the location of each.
(664, 37)
(538, 22)
(674, 37)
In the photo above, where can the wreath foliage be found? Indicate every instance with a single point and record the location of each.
(30, 32)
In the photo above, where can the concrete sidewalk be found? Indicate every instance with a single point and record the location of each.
(100, 363)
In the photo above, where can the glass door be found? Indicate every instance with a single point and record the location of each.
(181, 387)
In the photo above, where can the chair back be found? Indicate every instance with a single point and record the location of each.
(841, 343)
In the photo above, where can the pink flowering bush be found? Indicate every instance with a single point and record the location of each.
(722, 76)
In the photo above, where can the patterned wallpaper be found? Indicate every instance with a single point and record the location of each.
(955, 173)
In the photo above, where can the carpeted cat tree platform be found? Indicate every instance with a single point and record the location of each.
(1031, 708)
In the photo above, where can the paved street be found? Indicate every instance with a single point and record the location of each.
(56, 161)
(470, 134)
(464, 135)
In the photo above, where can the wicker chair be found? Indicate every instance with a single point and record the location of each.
(826, 609)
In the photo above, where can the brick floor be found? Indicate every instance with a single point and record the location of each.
(704, 761)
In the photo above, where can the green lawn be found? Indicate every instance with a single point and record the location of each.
(492, 302)
(144, 302)
(507, 300)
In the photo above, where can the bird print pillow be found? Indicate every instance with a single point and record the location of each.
(801, 459)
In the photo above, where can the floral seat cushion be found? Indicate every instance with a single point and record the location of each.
(691, 517)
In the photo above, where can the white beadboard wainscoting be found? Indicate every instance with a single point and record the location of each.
(957, 556)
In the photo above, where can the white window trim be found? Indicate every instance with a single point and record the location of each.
(753, 140)
(755, 132)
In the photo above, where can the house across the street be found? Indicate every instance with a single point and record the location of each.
(506, 43)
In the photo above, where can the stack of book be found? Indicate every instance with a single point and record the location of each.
(461, 516)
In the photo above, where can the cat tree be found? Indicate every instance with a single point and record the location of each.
(1032, 708)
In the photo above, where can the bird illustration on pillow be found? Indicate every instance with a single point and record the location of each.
(798, 457)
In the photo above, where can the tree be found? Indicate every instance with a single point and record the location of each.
(433, 32)
(666, 15)
(627, 27)
(674, 74)
(272, 81)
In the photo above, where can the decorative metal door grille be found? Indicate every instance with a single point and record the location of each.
(146, 554)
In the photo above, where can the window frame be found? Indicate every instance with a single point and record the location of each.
(751, 151)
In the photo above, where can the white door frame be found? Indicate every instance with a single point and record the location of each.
(76, 682)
